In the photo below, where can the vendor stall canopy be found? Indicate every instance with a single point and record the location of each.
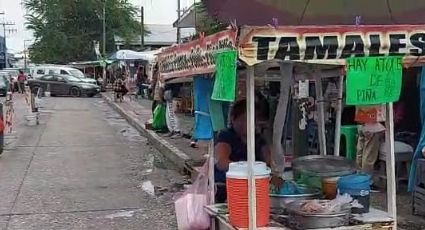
(318, 12)
(133, 55)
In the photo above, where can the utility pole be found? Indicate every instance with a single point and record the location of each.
(6, 24)
(25, 54)
(142, 28)
(178, 20)
(104, 44)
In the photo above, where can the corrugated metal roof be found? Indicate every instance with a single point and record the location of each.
(189, 18)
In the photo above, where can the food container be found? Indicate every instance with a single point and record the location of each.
(311, 169)
(237, 193)
(329, 187)
(323, 166)
(358, 187)
(278, 201)
(302, 220)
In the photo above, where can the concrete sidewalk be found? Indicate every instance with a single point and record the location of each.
(83, 167)
(176, 150)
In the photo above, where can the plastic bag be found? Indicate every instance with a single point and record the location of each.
(342, 201)
(190, 213)
(159, 120)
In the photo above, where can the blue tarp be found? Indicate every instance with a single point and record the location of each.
(421, 144)
(203, 86)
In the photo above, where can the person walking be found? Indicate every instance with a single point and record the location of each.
(156, 86)
(21, 81)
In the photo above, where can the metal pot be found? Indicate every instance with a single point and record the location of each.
(302, 220)
(280, 201)
(323, 166)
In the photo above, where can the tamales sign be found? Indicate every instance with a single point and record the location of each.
(258, 44)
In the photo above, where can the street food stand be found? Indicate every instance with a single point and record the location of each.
(314, 48)
(90, 68)
(178, 64)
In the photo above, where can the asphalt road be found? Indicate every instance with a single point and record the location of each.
(83, 167)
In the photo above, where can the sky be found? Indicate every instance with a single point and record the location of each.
(156, 12)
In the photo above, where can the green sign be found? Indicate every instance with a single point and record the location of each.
(373, 80)
(225, 76)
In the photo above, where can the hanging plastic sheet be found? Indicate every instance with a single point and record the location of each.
(421, 144)
(202, 93)
(217, 112)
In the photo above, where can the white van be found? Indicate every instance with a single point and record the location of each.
(38, 71)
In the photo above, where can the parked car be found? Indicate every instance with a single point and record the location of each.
(61, 84)
(13, 76)
(42, 70)
(4, 83)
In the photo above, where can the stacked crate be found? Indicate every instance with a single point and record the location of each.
(419, 192)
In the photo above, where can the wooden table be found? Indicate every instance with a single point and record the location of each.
(373, 220)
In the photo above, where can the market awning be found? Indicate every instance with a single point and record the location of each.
(91, 63)
(124, 55)
(318, 12)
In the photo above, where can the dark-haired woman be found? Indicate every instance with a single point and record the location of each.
(231, 146)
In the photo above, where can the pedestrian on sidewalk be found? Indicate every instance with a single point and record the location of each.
(156, 85)
(173, 123)
(141, 80)
(120, 90)
(21, 81)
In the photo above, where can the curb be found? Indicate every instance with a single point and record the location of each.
(175, 156)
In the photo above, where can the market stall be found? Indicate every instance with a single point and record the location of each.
(179, 64)
(91, 68)
(313, 50)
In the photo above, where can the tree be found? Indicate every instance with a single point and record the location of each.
(65, 30)
(205, 23)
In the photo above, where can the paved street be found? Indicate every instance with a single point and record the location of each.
(83, 167)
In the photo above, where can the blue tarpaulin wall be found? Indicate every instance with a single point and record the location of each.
(203, 86)
(421, 144)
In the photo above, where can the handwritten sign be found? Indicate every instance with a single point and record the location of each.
(195, 57)
(373, 80)
(225, 77)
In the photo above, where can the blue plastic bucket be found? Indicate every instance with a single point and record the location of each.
(357, 186)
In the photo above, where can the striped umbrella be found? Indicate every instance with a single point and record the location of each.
(318, 12)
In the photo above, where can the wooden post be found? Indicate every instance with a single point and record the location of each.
(286, 71)
(211, 178)
(338, 116)
(250, 124)
(390, 164)
(321, 113)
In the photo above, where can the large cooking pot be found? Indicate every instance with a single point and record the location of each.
(302, 220)
(322, 166)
